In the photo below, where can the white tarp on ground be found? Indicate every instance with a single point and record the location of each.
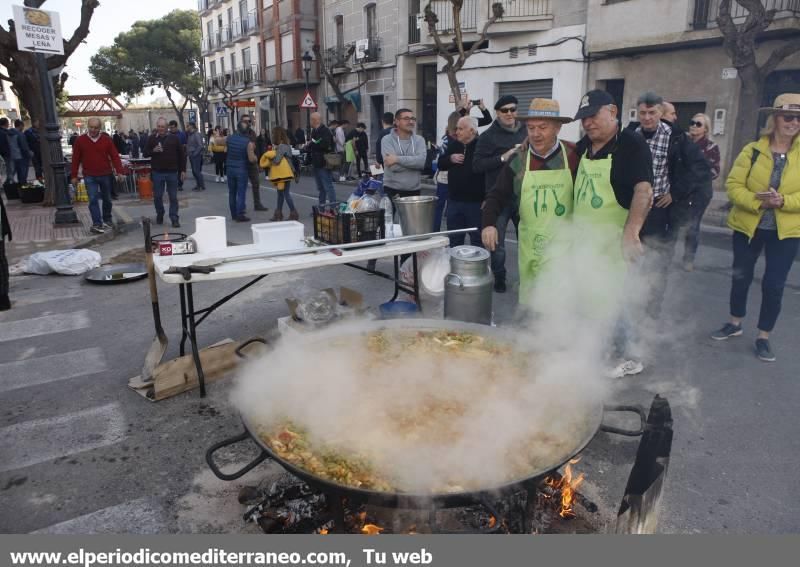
(65, 262)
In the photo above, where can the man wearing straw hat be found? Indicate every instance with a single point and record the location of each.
(538, 181)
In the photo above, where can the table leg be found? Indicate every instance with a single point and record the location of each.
(416, 282)
(184, 333)
(396, 277)
(193, 340)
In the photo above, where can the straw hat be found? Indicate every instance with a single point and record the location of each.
(787, 102)
(546, 108)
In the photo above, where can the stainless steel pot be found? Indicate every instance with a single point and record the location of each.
(468, 286)
(416, 213)
(593, 416)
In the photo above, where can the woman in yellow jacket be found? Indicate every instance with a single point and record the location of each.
(279, 163)
(219, 149)
(764, 187)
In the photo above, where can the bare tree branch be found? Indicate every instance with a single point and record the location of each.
(87, 11)
(779, 55)
(497, 13)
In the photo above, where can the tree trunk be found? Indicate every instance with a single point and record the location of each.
(751, 89)
(30, 94)
(452, 78)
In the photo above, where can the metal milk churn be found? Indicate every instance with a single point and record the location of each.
(468, 286)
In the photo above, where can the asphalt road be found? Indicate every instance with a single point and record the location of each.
(82, 453)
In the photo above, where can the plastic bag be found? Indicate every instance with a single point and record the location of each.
(65, 262)
(432, 264)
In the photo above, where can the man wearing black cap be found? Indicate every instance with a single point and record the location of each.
(612, 196)
(495, 147)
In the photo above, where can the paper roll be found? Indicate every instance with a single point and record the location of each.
(210, 234)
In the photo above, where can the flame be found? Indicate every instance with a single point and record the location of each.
(492, 522)
(567, 486)
(412, 530)
(323, 531)
(371, 529)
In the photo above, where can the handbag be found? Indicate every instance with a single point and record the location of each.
(333, 160)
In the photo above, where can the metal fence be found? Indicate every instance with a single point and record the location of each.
(706, 11)
(443, 9)
(522, 8)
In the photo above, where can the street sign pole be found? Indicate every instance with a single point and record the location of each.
(65, 214)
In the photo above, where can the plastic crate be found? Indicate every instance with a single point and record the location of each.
(334, 227)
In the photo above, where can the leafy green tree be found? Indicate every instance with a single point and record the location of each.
(161, 53)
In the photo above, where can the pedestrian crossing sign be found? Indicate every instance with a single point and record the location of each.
(308, 102)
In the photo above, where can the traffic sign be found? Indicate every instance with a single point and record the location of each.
(222, 111)
(308, 102)
(193, 116)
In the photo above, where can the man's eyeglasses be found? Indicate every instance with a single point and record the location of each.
(507, 109)
(409, 118)
(698, 124)
(790, 117)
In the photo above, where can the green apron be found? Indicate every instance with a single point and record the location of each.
(545, 203)
(599, 221)
(349, 152)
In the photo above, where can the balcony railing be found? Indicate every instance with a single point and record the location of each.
(444, 10)
(367, 50)
(519, 9)
(339, 56)
(414, 35)
(225, 35)
(706, 11)
(203, 5)
(243, 28)
(245, 76)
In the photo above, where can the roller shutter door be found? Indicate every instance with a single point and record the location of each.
(525, 91)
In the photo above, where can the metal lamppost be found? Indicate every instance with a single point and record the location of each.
(307, 59)
(65, 214)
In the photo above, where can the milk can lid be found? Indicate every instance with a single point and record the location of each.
(467, 253)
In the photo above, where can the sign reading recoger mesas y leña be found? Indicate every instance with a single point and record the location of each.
(38, 30)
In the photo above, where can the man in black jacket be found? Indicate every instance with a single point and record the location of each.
(387, 121)
(495, 147)
(467, 188)
(5, 230)
(321, 143)
(679, 174)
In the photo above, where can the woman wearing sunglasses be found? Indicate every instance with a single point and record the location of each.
(699, 130)
(764, 187)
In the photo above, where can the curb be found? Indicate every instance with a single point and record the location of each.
(123, 223)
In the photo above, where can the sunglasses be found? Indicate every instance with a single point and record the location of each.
(507, 110)
(790, 117)
(698, 124)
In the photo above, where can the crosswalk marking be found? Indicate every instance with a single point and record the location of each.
(40, 440)
(141, 516)
(32, 297)
(49, 324)
(42, 370)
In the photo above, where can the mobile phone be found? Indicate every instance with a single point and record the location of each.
(477, 102)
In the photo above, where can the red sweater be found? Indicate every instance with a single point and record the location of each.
(95, 157)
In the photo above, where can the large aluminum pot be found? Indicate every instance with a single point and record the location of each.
(468, 286)
(593, 423)
(416, 214)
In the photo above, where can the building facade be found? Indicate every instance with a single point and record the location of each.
(675, 49)
(252, 59)
(9, 104)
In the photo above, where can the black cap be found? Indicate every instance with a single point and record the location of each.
(504, 100)
(592, 102)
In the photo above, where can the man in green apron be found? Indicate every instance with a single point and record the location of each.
(613, 194)
(537, 179)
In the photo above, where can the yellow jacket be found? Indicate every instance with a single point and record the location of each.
(282, 171)
(219, 144)
(744, 182)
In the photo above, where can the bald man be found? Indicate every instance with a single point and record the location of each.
(668, 112)
(95, 152)
(321, 143)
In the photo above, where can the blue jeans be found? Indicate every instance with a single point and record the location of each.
(237, 189)
(441, 193)
(324, 179)
(99, 187)
(197, 170)
(780, 255)
(462, 214)
(499, 254)
(287, 196)
(21, 169)
(168, 180)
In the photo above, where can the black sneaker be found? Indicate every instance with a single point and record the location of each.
(500, 285)
(160, 219)
(727, 331)
(107, 226)
(97, 229)
(176, 224)
(763, 352)
(5, 303)
(242, 218)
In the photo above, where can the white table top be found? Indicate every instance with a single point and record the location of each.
(259, 267)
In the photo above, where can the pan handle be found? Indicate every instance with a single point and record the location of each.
(638, 410)
(238, 350)
(241, 472)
